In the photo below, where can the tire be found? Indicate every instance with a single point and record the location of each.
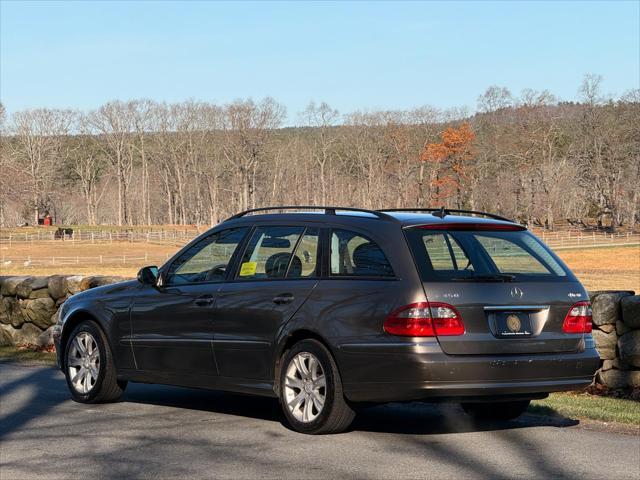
(335, 415)
(496, 410)
(98, 382)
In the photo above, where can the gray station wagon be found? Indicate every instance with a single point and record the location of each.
(326, 308)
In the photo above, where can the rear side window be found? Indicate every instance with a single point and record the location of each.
(472, 255)
(269, 252)
(355, 255)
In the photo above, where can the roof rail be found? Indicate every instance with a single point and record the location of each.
(327, 210)
(442, 212)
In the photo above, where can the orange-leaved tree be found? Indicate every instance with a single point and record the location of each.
(450, 164)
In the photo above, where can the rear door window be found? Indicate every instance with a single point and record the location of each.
(269, 253)
(304, 263)
(355, 255)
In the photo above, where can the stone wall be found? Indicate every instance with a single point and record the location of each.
(28, 305)
(616, 330)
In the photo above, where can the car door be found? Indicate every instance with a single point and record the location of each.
(277, 272)
(172, 323)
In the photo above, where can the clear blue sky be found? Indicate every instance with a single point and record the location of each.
(352, 55)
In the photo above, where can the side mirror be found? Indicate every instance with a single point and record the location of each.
(148, 275)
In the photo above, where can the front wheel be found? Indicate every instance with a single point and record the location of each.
(311, 390)
(88, 366)
(496, 410)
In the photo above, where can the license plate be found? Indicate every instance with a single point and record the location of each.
(513, 324)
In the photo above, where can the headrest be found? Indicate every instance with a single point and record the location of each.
(276, 265)
(369, 257)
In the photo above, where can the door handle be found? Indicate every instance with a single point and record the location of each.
(283, 299)
(204, 300)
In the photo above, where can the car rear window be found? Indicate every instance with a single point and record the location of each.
(490, 255)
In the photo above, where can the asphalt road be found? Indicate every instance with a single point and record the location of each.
(166, 432)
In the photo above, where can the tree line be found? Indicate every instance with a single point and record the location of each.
(530, 157)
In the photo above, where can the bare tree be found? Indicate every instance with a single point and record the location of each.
(248, 129)
(87, 163)
(38, 137)
(322, 118)
(495, 98)
(113, 125)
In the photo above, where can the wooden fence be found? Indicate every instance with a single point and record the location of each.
(560, 239)
(569, 239)
(165, 237)
(32, 261)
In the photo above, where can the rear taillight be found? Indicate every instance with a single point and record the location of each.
(424, 319)
(578, 320)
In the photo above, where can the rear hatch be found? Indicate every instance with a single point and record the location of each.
(510, 290)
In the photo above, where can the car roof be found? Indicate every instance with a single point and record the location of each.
(411, 218)
(405, 219)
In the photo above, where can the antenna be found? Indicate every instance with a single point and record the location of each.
(440, 213)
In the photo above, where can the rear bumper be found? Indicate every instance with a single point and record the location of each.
(423, 372)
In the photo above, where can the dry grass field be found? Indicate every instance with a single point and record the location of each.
(611, 268)
(604, 268)
(118, 258)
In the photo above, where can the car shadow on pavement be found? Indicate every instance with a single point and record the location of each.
(45, 388)
(420, 418)
(204, 400)
(416, 418)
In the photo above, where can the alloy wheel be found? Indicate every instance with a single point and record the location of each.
(305, 387)
(83, 362)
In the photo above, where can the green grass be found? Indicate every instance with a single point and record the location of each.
(592, 407)
(10, 354)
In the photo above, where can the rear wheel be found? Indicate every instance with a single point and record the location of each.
(496, 410)
(88, 366)
(311, 390)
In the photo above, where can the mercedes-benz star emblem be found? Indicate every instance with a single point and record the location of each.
(516, 292)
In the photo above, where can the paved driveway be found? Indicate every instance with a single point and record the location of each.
(165, 432)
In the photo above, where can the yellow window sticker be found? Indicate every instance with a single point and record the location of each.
(248, 269)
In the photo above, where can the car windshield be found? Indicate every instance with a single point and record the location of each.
(501, 256)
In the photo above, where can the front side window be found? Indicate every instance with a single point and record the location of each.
(269, 252)
(354, 255)
(207, 259)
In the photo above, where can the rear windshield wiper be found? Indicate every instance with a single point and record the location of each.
(498, 277)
